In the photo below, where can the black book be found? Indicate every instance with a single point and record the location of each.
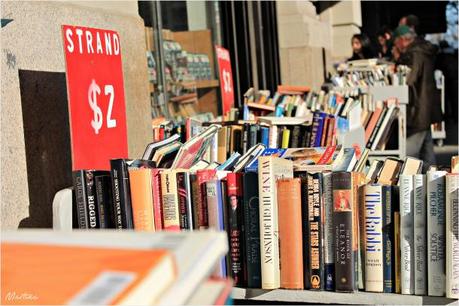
(194, 199)
(295, 136)
(388, 240)
(93, 214)
(237, 141)
(74, 210)
(252, 229)
(306, 136)
(315, 231)
(305, 226)
(253, 135)
(79, 183)
(343, 219)
(184, 197)
(104, 199)
(224, 187)
(121, 194)
(245, 138)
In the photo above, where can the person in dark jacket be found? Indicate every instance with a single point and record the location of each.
(424, 107)
(361, 47)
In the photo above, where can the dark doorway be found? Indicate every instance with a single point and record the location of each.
(47, 142)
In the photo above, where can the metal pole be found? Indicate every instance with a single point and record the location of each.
(162, 84)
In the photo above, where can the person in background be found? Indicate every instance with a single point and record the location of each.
(424, 107)
(385, 43)
(361, 47)
(412, 21)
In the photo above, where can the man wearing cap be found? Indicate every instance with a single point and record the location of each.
(424, 107)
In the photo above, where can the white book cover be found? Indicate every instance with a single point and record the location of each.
(374, 276)
(406, 234)
(384, 126)
(436, 281)
(452, 236)
(420, 245)
(270, 168)
(273, 136)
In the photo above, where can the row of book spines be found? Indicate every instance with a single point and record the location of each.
(384, 271)
(428, 212)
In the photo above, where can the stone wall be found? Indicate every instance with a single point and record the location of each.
(32, 41)
(302, 40)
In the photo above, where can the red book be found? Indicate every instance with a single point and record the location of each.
(157, 205)
(330, 135)
(161, 133)
(237, 269)
(203, 176)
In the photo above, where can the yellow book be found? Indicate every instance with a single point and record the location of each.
(285, 138)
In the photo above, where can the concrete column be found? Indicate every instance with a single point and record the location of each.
(302, 36)
(345, 18)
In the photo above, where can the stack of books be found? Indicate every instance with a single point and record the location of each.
(314, 218)
(369, 74)
(43, 267)
(333, 112)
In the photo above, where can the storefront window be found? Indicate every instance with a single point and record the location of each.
(181, 38)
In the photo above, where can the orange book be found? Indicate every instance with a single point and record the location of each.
(142, 199)
(372, 123)
(43, 274)
(290, 233)
(290, 88)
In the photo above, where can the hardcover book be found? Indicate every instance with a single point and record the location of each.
(216, 215)
(236, 237)
(291, 253)
(184, 200)
(251, 209)
(93, 218)
(104, 199)
(171, 214)
(79, 183)
(374, 256)
(343, 220)
(142, 199)
(436, 223)
(406, 234)
(452, 236)
(84, 275)
(270, 168)
(420, 246)
(121, 194)
(329, 246)
(315, 231)
(388, 239)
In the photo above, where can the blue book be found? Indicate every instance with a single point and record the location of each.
(253, 166)
(320, 129)
(215, 214)
(279, 111)
(230, 162)
(265, 136)
(315, 126)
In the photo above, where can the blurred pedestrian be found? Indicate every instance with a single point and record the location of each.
(361, 47)
(424, 107)
(412, 21)
(385, 43)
